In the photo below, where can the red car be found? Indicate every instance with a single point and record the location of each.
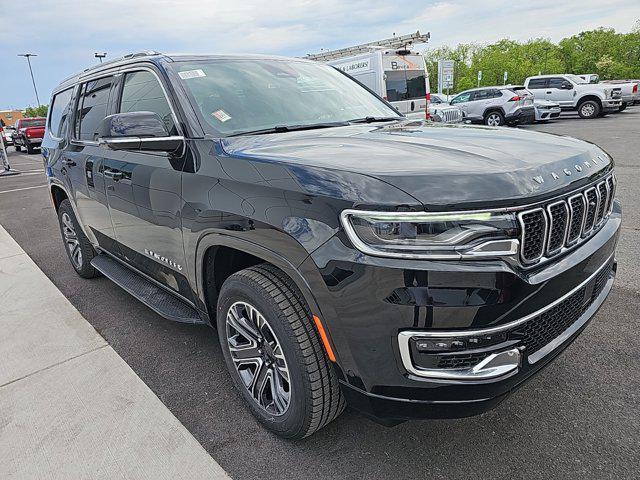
(29, 133)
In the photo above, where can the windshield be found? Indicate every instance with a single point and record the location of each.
(236, 96)
(33, 123)
(576, 79)
(405, 85)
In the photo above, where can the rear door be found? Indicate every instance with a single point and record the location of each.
(538, 86)
(144, 188)
(82, 159)
(406, 82)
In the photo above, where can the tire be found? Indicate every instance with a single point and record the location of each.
(30, 149)
(311, 398)
(494, 119)
(623, 107)
(17, 147)
(589, 109)
(77, 245)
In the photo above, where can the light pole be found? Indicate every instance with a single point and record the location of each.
(27, 56)
(100, 55)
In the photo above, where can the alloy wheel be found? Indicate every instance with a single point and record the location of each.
(588, 110)
(493, 120)
(258, 357)
(71, 240)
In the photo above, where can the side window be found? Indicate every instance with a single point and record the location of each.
(142, 93)
(463, 97)
(92, 108)
(59, 113)
(537, 83)
(482, 94)
(556, 82)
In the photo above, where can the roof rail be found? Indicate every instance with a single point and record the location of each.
(394, 42)
(128, 56)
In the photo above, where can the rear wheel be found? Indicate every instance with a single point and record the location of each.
(589, 109)
(274, 355)
(77, 245)
(494, 119)
(29, 147)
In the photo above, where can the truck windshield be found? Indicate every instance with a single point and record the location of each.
(405, 85)
(33, 123)
(236, 96)
(576, 79)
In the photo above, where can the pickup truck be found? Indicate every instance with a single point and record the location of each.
(630, 93)
(28, 133)
(572, 92)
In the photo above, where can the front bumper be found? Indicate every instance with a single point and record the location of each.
(612, 104)
(543, 114)
(377, 310)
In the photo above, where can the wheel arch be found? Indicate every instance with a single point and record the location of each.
(493, 109)
(214, 247)
(596, 98)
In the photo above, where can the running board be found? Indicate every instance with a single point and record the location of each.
(157, 299)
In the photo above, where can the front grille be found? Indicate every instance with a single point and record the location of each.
(542, 329)
(547, 230)
(558, 219)
(534, 228)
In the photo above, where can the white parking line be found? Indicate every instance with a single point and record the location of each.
(23, 188)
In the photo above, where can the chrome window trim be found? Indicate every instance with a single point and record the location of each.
(506, 326)
(544, 236)
(582, 220)
(550, 230)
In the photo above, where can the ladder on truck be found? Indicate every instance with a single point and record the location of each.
(395, 42)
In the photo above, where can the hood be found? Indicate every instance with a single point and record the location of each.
(439, 165)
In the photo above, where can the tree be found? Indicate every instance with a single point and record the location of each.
(39, 111)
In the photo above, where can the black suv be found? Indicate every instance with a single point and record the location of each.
(345, 254)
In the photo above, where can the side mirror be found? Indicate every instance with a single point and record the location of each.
(137, 131)
(566, 86)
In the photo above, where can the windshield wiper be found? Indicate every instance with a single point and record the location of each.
(375, 119)
(289, 128)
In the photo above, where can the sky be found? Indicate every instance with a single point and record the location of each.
(66, 33)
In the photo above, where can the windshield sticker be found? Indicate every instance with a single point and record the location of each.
(192, 74)
(221, 115)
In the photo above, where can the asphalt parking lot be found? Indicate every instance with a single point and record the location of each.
(578, 419)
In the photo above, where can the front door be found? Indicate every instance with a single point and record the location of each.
(144, 191)
(555, 93)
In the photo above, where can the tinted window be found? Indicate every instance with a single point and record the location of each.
(142, 92)
(463, 97)
(537, 83)
(483, 94)
(58, 113)
(556, 82)
(92, 108)
(405, 85)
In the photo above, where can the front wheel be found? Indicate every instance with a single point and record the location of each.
(623, 107)
(274, 355)
(589, 109)
(17, 147)
(79, 249)
(494, 119)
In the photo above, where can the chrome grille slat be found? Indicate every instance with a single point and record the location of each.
(550, 229)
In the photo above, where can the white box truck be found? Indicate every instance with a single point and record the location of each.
(398, 76)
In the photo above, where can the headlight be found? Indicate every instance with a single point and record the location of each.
(432, 235)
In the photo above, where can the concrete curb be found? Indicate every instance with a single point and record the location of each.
(70, 407)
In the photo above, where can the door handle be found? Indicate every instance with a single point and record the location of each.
(113, 174)
(549, 91)
(69, 162)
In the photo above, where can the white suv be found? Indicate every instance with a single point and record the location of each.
(572, 92)
(495, 106)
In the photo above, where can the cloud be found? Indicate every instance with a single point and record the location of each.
(66, 33)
